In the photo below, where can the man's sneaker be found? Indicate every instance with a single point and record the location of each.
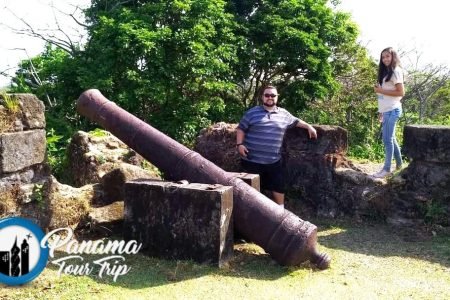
(381, 174)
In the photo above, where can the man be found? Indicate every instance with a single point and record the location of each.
(259, 138)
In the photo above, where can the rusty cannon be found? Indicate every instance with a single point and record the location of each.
(287, 238)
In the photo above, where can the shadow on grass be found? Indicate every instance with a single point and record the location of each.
(385, 241)
(248, 261)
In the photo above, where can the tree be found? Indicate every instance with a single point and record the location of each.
(353, 106)
(423, 84)
(166, 61)
(293, 44)
(181, 65)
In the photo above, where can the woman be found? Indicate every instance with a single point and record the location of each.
(390, 91)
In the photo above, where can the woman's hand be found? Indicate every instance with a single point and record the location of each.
(378, 89)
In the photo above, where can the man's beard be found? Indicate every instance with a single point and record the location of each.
(269, 105)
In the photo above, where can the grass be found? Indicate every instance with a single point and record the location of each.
(10, 102)
(369, 261)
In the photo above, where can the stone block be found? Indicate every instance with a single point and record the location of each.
(427, 142)
(330, 140)
(91, 156)
(19, 150)
(217, 143)
(180, 221)
(252, 180)
(33, 111)
(113, 182)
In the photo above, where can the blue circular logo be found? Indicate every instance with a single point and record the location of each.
(21, 256)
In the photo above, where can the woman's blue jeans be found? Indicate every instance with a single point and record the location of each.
(391, 147)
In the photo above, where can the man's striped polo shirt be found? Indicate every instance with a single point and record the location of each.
(264, 132)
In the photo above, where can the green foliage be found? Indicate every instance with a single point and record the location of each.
(181, 65)
(166, 62)
(98, 132)
(10, 102)
(353, 106)
(38, 195)
(292, 44)
(56, 155)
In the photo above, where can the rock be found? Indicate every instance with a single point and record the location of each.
(105, 220)
(427, 143)
(19, 150)
(180, 221)
(330, 140)
(58, 205)
(217, 143)
(33, 111)
(113, 182)
(91, 156)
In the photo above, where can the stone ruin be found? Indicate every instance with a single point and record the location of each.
(22, 152)
(323, 182)
(105, 172)
(99, 166)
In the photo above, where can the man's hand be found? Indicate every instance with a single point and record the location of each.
(242, 150)
(312, 132)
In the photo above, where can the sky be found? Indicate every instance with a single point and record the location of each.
(403, 24)
(40, 15)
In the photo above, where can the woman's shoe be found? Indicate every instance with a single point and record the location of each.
(381, 174)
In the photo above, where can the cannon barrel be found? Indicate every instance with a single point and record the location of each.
(287, 238)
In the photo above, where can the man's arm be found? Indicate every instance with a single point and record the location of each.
(311, 131)
(240, 136)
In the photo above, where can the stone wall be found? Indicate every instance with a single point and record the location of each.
(425, 184)
(309, 164)
(321, 181)
(22, 150)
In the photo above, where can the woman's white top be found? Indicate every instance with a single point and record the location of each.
(388, 103)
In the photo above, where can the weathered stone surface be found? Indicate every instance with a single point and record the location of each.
(181, 221)
(29, 114)
(310, 169)
(57, 205)
(105, 220)
(33, 111)
(217, 143)
(252, 180)
(424, 174)
(427, 143)
(66, 205)
(309, 164)
(114, 181)
(21, 149)
(92, 156)
(330, 140)
(31, 174)
(9, 200)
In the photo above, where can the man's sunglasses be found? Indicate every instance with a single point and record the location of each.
(270, 95)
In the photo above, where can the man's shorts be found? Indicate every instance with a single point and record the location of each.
(271, 175)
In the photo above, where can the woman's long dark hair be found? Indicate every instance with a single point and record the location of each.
(387, 71)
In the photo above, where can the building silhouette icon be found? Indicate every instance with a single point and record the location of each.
(15, 263)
